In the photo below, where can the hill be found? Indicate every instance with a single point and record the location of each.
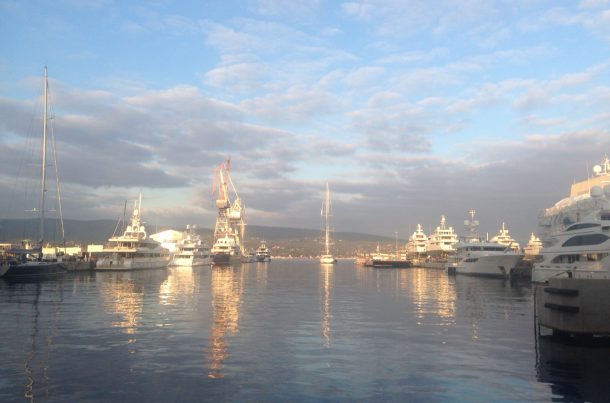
(283, 241)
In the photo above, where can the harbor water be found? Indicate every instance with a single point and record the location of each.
(287, 330)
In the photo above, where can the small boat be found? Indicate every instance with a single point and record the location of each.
(262, 253)
(327, 257)
(30, 263)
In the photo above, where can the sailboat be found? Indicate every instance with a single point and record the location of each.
(327, 257)
(29, 263)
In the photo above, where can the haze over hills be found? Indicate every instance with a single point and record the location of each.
(282, 240)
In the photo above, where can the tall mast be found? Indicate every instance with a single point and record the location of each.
(327, 228)
(44, 158)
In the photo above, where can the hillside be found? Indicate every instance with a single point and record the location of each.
(282, 241)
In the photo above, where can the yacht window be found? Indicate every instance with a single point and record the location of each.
(590, 239)
(582, 225)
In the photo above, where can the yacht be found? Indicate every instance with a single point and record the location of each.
(503, 238)
(477, 257)
(262, 253)
(582, 250)
(533, 246)
(442, 241)
(416, 246)
(577, 205)
(230, 227)
(133, 250)
(191, 251)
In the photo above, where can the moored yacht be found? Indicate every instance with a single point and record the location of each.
(582, 250)
(133, 250)
(191, 251)
(416, 246)
(503, 238)
(262, 253)
(484, 258)
(533, 246)
(442, 241)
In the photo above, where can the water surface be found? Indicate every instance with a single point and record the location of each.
(285, 330)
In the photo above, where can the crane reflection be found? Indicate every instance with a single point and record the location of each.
(226, 292)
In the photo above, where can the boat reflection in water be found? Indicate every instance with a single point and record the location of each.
(226, 289)
(122, 296)
(180, 286)
(326, 285)
(576, 370)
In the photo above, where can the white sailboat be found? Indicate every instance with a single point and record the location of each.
(30, 263)
(327, 257)
(230, 225)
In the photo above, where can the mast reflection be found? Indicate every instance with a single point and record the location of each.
(226, 290)
(326, 271)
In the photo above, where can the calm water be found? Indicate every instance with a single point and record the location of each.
(285, 330)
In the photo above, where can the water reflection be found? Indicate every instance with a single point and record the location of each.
(40, 342)
(432, 295)
(122, 296)
(326, 286)
(180, 286)
(226, 291)
(575, 371)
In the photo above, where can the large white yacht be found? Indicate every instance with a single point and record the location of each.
(442, 241)
(483, 258)
(262, 253)
(503, 238)
(416, 246)
(191, 250)
(582, 250)
(133, 250)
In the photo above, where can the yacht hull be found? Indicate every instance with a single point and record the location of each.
(106, 264)
(31, 270)
(489, 266)
(225, 259)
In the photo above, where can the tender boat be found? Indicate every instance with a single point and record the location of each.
(191, 251)
(133, 250)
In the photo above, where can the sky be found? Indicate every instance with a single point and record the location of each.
(409, 109)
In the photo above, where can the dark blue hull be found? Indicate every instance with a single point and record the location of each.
(34, 270)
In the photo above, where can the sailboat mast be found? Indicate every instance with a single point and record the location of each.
(44, 157)
(327, 228)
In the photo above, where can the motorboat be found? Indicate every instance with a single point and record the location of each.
(262, 253)
(478, 257)
(191, 250)
(133, 250)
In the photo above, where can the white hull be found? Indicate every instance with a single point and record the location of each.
(139, 263)
(328, 260)
(599, 271)
(488, 265)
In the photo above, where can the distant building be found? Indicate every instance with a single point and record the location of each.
(168, 238)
